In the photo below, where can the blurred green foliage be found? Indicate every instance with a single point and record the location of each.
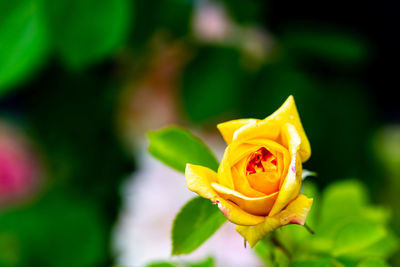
(80, 33)
(318, 43)
(69, 223)
(53, 230)
(221, 78)
(85, 32)
(349, 231)
(23, 40)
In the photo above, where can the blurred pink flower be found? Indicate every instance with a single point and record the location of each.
(19, 168)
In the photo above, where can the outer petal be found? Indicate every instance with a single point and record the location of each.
(225, 171)
(295, 213)
(287, 113)
(265, 129)
(254, 205)
(227, 129)
(292, 183)
(199, 179)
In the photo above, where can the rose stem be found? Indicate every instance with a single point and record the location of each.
(279, 244)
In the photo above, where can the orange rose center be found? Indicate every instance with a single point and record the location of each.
(260, 161)
(262, 171)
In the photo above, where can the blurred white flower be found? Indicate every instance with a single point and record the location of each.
(152, 198)
(212, 24)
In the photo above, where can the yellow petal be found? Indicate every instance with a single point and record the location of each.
(199, 179)
(224, 170)
(287, 113)
(236, 215)
(295, 213)
(292, 182)
(264, 182)
(291, 138)
(265, 129)
(242, 184)
(228, 128)
(240, 151)
(257, 206)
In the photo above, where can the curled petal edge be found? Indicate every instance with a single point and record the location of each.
(295, 213)
(254, 205)
(288, 113)
(268, 128)
(224, 175)
(227, 129)
(199, 179)
(291, 185)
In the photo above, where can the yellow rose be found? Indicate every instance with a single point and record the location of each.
(259, 178)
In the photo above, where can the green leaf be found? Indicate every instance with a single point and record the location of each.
(271, 254)
(344, 203)
(23, 41)
(311, 190)
(161, 264)
(343, 199)
(384, 248)
(194, 224)
(263, 249)
(176, 147)
(355, 237)
(377, 214)
(326, 262)
(209, 262)
(86, 31)
(373, 262)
